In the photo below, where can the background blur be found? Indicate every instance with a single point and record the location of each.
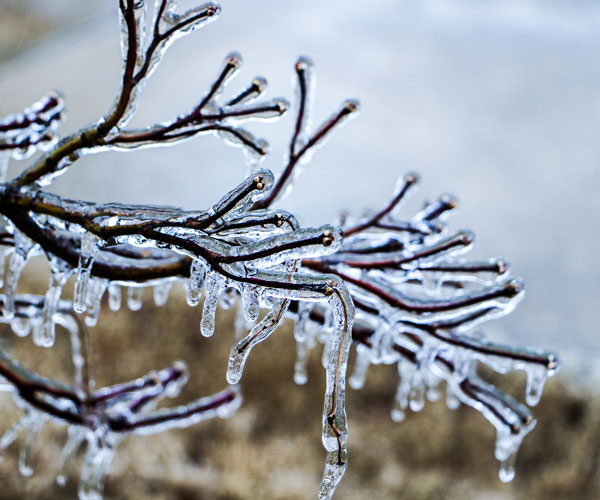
(495, 102)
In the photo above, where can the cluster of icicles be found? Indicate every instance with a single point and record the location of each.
(417, 301)
(99, 418)
(257, 258)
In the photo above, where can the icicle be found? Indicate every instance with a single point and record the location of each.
(240, 352)
(161, 293)
(114, 297)
(304, 343)
(213, 288)
(361, 365)
(250, 301)
(227, 299)
(86, 260)
(299, 326)
(96, 289)
(406, 370)
(31, 433)
(398, 413)
(44, 335)
(507, 445)
(300, 368)
(416, 396)
(75, 436)
(4, 158)
(96, 466)
(135, 296)
(452, 401)
(4, 253)
(16, 264)
(433, 392)
(326, 352)
(13, 432)
(334, 411)
(194, 284)
(241, 326)
(536, 378)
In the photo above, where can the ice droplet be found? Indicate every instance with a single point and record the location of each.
(507, 469)
(213, 287)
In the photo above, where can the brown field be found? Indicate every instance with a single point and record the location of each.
(271, 447)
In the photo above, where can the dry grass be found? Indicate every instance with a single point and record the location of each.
(271, 448)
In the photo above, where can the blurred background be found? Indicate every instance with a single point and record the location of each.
(495, 102)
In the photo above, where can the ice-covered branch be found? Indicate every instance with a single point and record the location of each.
(106, 414)
(417, 299)
(303, 142)
(142, 49)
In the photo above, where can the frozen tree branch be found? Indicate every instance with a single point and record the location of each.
(416, 299)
